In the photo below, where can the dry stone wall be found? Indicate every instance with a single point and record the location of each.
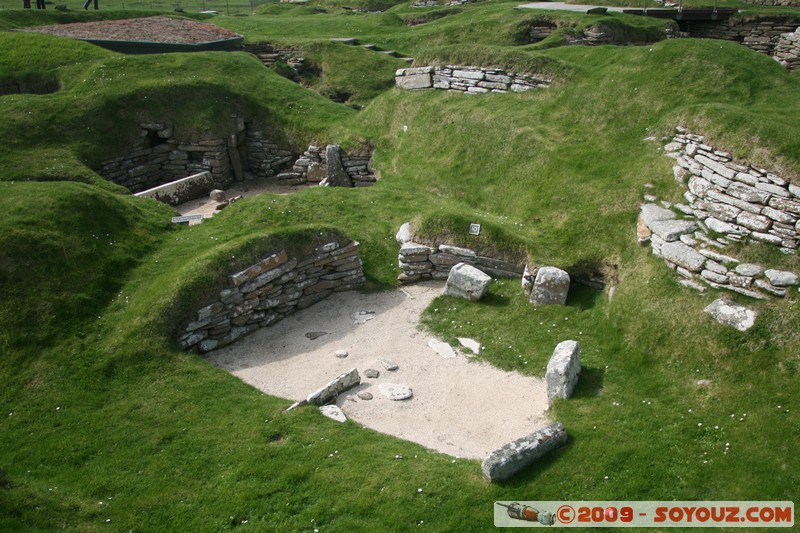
(161, 157)
(787, 51)
(787, 3)
(467, 79)
(762, 34)
(272, 289)
(422, 262)
(727, 202)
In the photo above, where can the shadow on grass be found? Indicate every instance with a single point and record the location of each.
(495, 300)
(590, 383)
(583, 297)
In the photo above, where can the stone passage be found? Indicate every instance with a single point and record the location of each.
(272, 289)
(563, 370)
(467, 79)
(504, 462)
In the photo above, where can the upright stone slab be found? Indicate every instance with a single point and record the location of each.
(550, 287)
(504, 462)
(731, 314)
(563, 370)
(337, 175)
(467, 282)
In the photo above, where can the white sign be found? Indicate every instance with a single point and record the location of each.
(474, 229)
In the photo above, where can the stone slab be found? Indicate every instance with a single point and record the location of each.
(551, 286)
(335, 387)
(563, 370)
(731, 314)
(466, 281)
(506, 461)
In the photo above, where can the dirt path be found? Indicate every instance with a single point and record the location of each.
(459, 407)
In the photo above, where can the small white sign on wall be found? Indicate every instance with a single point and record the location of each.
(474, 229)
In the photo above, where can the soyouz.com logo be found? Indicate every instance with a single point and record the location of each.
(643, 514)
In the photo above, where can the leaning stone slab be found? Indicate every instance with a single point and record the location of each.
(334, 412)
(335, 387)
(467, 282)
(337, 175)
(731, 314)
(563, 370)
(506, 461)
(550, 287)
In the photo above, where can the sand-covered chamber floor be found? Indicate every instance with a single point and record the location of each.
(459, 407)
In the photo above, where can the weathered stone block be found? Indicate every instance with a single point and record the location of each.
(415, 81)
(551, 286)
(563, 370)
(465, 281)
(506, 461)
(682, 255)
(781, 278)
(671, 230)
(732, 314)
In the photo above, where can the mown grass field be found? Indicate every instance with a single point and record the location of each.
(106, 425)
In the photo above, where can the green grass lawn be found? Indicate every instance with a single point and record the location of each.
(106, 425)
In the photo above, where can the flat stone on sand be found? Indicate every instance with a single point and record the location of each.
(442, 348)
(395, 391)
(334, 412)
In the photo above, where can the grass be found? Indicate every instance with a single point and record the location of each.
(106, 423)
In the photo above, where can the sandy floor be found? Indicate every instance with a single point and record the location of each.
(459, 407)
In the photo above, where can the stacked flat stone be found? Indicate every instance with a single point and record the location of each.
(787, 51)
(422, 262)
(467, 79)
(739, 201)
(159, 157)
(690, 254)
(272, 289)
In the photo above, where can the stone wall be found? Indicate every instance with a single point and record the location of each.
(467, 79)
(596, 35)
(787, 50)
(761, 35)
(774, 2)
(161, 157)
(727, 202)
(421, 262)
(272, 289)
